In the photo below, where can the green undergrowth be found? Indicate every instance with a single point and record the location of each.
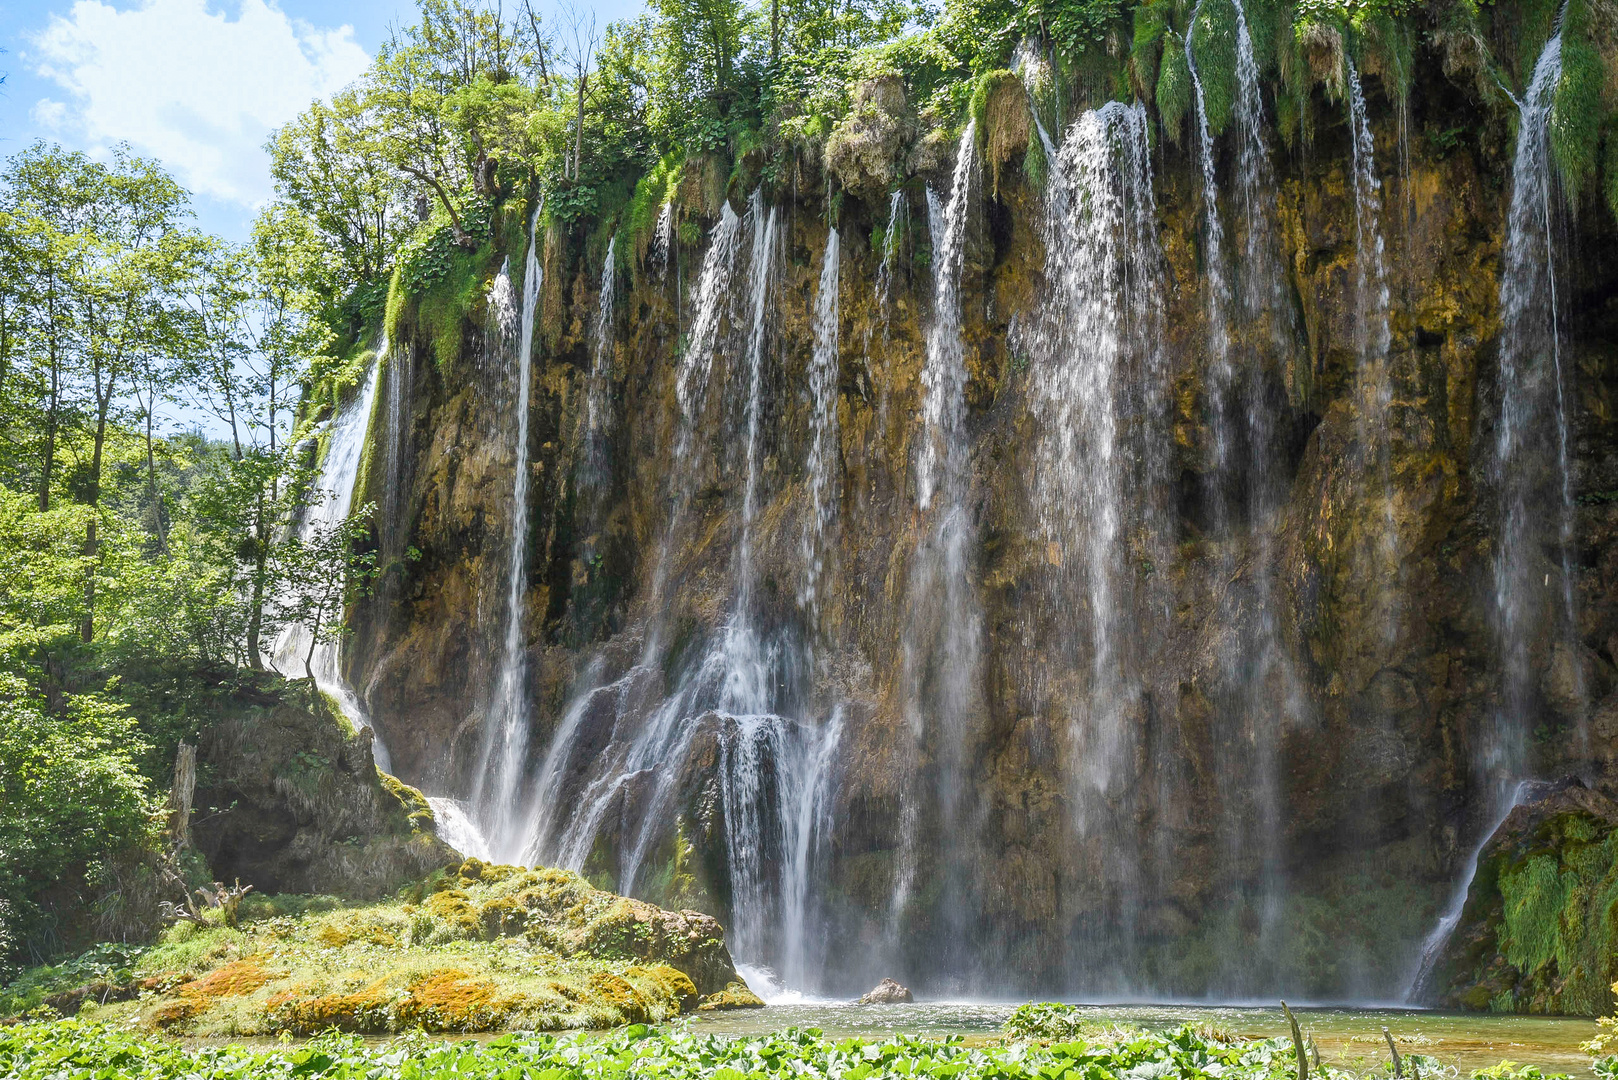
(483, 948)
(76, 1050)
(1560, 923)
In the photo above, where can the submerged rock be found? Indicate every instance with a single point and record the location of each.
(887, 992)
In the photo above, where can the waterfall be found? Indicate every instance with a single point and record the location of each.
(941, 642)
(892, 237)
(329, 503)
(505, 742)
(747, 664)
(617, 758)
(821, 468)
(1530, 470)
(1372, 339)
(1213, 258)
(777, 783)
(1095, 388)
(1432, 949)
(593, 475)
(662, 240)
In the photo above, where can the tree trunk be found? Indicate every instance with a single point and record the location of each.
(179, 805)
(578, 136)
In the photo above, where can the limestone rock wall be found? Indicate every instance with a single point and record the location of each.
(1391, 677)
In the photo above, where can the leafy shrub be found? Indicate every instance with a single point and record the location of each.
(70, 799)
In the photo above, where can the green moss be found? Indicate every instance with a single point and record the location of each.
(417, 810)
(652, 191)
(1579, 106)
(1559, 921)
(1173, 87)
(1213, 43)
(1146, 47)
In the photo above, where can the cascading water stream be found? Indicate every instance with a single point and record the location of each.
(821, 468)
(1098, 468)
(941, 644)
(505, 745)
(1373, 339)
(331, 496)
(1216, 288)
(616, 759)
(1531, 469)
(593, 472)
(1533, 396)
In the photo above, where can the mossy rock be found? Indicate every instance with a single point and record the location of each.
(734, 996)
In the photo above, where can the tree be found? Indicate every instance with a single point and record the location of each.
(323, 569)
(70, 796)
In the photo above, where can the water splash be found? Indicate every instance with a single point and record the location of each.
(457, 828)
(505, 744)
(821, 468)
(331, 496)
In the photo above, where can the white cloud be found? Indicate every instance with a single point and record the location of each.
(192, 87)
(48, 114)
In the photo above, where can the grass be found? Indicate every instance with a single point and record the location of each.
(487, 948)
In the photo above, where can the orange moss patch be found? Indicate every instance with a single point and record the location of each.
(451, 1001)
(236, 979)
(365, 1011)
(621, 995)
(174, 1013)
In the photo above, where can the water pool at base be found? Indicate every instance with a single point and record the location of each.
(1346, 1037)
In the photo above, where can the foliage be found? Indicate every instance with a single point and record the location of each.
(1579, 105)
(70, 797)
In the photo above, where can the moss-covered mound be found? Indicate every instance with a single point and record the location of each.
(1539, 933)
(480, 949)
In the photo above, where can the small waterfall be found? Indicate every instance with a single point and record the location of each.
(457, 828)
(747, 664)
(821, 468)
(941, 644)
(662, 241)
(1531, 470)
(394, 528)
(892, 238)
(506, 725)
(1432, 949)
(1213, 244)
(777, 784)
(593, 473)
(1373, 339)
(329, 503)
(1099, 471)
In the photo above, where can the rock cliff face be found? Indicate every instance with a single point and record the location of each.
(1285, 818)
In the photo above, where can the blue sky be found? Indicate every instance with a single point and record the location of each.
(198, 84)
